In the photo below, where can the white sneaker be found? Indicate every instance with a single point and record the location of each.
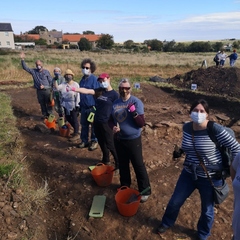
(144, 198)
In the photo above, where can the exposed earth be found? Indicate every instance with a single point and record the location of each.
(54, 159)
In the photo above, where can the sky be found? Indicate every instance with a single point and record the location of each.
(136, 20)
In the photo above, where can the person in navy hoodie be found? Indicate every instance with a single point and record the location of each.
(87, 104)
(233, 57)
(105, 96)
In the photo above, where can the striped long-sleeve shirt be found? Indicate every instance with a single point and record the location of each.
(206, 148)
(42, 77)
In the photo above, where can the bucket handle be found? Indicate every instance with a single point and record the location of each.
(122, 188)
(100, 164)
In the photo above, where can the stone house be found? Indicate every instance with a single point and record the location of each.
(6, 36)
(51, 36)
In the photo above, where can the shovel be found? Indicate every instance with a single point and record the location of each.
(134, 197)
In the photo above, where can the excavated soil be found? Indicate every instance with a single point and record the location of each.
(54, 159)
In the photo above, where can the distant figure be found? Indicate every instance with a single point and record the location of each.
(233, 57)
(216, 58)
(222, 58)
(204, 64)
(42, 81)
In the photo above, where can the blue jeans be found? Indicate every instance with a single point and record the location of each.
(232, 62)
(85, 126)
(184, 188)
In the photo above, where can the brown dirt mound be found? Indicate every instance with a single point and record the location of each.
(222, 81)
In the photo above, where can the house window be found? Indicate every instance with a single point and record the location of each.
(6, 34)
(8, 43)
(50, 41)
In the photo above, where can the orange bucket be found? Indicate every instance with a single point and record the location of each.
(51, 103)
(50, 124)
(123, 195)
(64, 132)
(102, 174)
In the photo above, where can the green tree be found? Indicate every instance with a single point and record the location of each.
(41, 42)
(18, 38)
(180, 47)
(37, 29)
(84, 45)
(156, 45)
(217, 46)
(88, 32)
(128, 44)
(169, 46)
(199, 47)
(236, 44)
(105, 41)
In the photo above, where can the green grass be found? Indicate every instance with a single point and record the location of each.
(13, 166)
(6, 169)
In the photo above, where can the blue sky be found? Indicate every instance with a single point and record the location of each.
(135, 20)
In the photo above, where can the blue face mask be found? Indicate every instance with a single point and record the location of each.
(56, 74)
(104, 84)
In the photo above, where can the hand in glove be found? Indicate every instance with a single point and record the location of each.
(131, 107)
(177, 153)
(68, 88)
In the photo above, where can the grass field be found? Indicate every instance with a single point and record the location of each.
(136, 66)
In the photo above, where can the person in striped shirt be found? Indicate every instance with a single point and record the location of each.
(196, 140)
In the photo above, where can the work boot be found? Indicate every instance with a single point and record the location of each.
(74, 137)
(162, 229)
(83, 145)
(93, 145)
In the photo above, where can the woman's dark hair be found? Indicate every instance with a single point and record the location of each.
(93, 66)
(204, 104)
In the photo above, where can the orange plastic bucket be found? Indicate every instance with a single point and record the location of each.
(50, 124)
(64, 132)
(51, 103)
(122, 196)
(102, 174)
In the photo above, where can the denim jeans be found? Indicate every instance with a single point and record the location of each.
(85, 126)
(184, 188)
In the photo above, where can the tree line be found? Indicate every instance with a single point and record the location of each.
(106, 41)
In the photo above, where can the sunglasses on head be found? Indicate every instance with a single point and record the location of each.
(124, 88)
(86, 68)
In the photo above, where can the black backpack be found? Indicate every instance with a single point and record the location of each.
(225, 152)
(216, 58)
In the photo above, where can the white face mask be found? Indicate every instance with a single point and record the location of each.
(39, 67)
(198, 117)
(86, 71)
(104, 84)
